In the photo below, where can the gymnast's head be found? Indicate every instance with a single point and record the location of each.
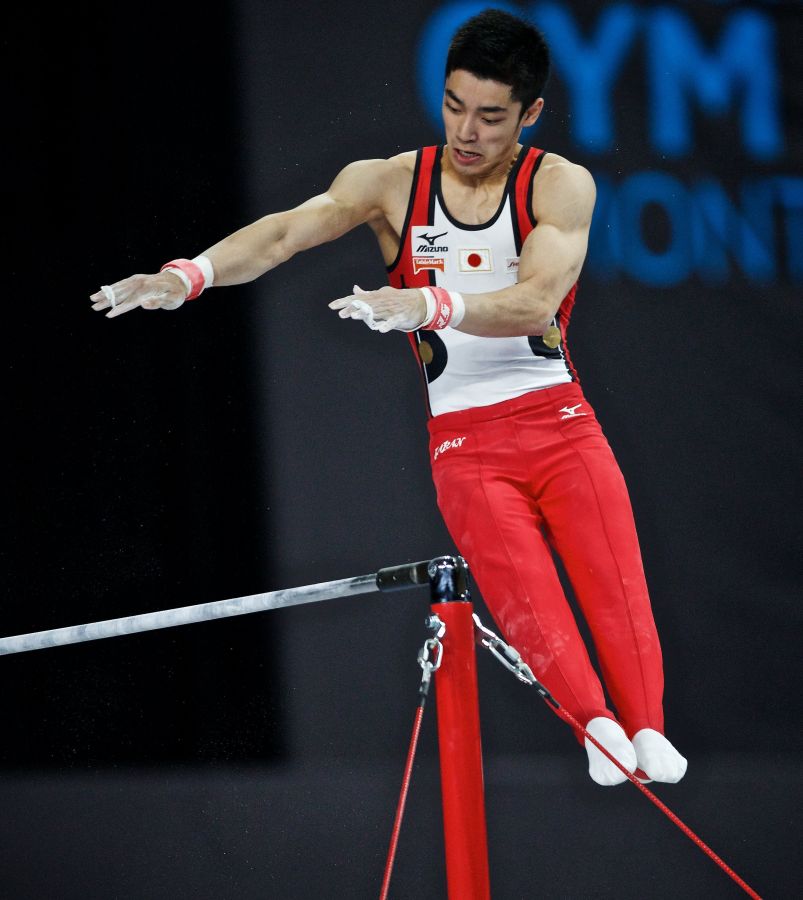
(496, 70)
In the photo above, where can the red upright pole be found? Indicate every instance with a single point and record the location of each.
(459, 736)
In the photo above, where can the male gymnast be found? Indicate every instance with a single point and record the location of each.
(484, 240)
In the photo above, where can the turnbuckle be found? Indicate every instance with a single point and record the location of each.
(432, 647)
(510, 658)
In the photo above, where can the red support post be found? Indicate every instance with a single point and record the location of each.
(459, 736)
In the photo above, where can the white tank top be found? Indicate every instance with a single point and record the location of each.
(462, 370)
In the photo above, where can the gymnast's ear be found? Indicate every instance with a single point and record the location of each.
(531, 114)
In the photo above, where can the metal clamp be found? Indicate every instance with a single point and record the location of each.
(432, 648)
(510, 658)
(448, 579)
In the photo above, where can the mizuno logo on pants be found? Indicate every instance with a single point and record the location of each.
(571, 412)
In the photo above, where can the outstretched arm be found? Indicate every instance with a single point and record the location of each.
(355, 197)
(550, 263)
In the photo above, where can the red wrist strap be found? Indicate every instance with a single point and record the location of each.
(192, 271)
(444, 309)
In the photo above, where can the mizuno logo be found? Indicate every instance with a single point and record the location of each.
(431, 239)
(429, 245)
(571, 412)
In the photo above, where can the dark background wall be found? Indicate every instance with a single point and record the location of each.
(131, 453)
(253, 441)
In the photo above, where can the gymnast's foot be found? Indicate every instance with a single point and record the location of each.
(657, 758)
(613, 738)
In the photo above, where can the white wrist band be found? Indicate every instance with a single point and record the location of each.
(204, 263)
(431, 307)
(444, 308)
(459, 309)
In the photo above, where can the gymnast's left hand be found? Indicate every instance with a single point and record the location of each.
(384, 310)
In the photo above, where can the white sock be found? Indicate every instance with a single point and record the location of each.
(613, 738)
(657, 757)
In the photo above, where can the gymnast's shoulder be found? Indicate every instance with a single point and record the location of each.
(378, 181)
(400, 166)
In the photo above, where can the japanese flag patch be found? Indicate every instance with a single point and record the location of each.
(475, 259)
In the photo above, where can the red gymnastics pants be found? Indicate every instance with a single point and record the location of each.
(519, 479)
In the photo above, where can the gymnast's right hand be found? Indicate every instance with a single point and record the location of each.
(164, 290)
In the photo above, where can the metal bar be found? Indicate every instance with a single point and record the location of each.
(394, 578)
(465, 833)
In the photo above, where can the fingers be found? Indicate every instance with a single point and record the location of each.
(121, 308)
(117, 298)
(362, 310)
(146, 299)
(161, 291)
(343, 303)
(355, 307)
(110, 295)
(385, 310)
(397, 321)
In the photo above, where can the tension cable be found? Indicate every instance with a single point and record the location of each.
(512, 661)
(430, 657)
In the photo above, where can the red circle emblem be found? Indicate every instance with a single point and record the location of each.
(474, 260)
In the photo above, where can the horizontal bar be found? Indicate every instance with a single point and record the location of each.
(393, 578)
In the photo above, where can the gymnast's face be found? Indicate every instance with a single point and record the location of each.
(482, 123)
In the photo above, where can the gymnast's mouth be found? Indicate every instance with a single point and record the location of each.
(466, 155)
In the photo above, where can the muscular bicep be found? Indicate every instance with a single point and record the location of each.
(554, 251)
(354, 198)
(551, 259)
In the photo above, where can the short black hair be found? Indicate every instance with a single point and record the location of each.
(499, 46)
